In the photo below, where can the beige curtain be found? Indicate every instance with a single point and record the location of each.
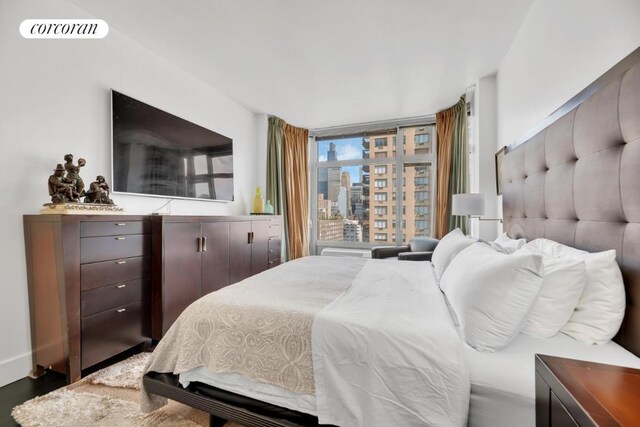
(444, 129)
(296, 178)
(453, 166)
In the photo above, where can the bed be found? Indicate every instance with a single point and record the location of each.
(573, 180)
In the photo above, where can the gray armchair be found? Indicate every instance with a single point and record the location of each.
(418, 249)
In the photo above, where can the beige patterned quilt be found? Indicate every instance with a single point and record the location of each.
(260, 327)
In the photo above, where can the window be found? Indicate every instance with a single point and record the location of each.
(380, 197)
(373, 173)
(421, 180)
(421, 224)
(422, 196)
(381, 142)
(381, 223)
(421, 210)
(421, 138)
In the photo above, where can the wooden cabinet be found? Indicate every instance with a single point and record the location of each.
(573, 393)
(88, 281)
(196, 255)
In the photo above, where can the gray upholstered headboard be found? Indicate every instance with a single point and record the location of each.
(577, 179)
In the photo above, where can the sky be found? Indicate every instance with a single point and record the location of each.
(347, 149)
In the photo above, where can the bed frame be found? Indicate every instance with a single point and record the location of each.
(573, 179)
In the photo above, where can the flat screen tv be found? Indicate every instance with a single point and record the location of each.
(158, 154)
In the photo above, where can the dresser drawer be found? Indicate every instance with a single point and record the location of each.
(273, 263)
(94, 249)
(274, 230)
(111, 332)
(112, 296)
(111, 272)
(112, 228)
(274, 249)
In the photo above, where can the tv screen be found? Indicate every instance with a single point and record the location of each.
(156, 153)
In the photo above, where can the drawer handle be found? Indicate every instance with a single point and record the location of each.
(121, 286)
(121, 262)
(270, 251)
(120, 224)
(120, 238)
(121, 310)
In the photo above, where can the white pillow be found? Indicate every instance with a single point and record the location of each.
(508, 244)
(600, 310)
(447, 248)
(563, 282)
(492, 293)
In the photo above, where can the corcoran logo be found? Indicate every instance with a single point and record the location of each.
(64, 29)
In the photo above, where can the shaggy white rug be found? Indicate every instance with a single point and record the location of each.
(68, 408)
(126, 374)
(107, 398)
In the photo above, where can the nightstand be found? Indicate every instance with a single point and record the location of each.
(578, 393)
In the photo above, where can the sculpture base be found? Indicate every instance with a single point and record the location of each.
(80, 209)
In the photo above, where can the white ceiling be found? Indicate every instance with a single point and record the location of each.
(318, 63)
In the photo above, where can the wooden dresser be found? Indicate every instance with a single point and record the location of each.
(89, 285)
(577, 393)
(196, 255)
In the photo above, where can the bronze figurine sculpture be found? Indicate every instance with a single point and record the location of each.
(66, 189)
(59, 190)
(98, 192)
(73, 174)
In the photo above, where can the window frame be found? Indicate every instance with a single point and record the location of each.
(398, 162)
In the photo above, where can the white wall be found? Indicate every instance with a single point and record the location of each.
(561, 47)
(54, 99)
(485, 103)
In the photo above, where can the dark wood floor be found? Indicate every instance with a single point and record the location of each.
(22, 390)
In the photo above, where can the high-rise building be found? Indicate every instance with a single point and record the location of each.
(333, 184)
(331, 229)
(415, 193)
(343, 203)
(324, 207)
(345, 182)
(352, 231)
(332, 154)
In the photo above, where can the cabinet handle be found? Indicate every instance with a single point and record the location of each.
(248, 238)
(199, 239)
(204, 244)
(253, 237)
(120, 238)
(121, 262)
(121, 286)
(121, 310)
(120, 224)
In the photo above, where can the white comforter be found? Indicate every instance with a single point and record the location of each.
(386, 352)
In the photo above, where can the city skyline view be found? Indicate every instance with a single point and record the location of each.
(359, 203)
(347, 149)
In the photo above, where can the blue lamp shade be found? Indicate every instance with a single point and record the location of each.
(467, 204)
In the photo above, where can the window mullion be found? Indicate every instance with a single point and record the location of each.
(399, 188)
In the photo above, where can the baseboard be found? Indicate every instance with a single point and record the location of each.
(15, 368)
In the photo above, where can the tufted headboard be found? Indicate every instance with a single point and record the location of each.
(576, 179)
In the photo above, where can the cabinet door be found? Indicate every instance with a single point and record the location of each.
(215, 256)
(260, 246)
(182, 269)
(239, 251)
